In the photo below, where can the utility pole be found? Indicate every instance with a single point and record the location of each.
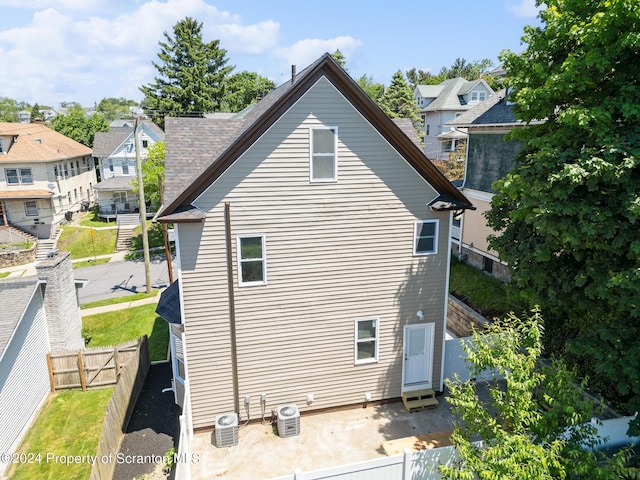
(167, 247)
(142, 206)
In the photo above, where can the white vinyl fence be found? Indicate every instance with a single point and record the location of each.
(185, 453)
(424, 465)
(410, 465)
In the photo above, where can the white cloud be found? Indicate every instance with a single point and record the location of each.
(67, 56)
(523, 8)
(304, 52)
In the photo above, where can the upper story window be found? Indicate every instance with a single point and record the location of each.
(478, 96)
(324, 154)
(252, 260)
(16, 176)
(129, 147)
(125, 167)
(2, 152)
(145, 143)
(425, 237)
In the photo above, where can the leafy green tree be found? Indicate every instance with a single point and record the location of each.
(422, 77)
(76, 125)
(115, 108)
(535, 423)
(191, 75)
(371, 88)
(9, 109)
(569, 213)
(243, 89)
(397, 100)
(152, 169)
(469, 70)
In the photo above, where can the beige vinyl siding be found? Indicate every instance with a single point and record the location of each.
(336, 252)
(475, 230)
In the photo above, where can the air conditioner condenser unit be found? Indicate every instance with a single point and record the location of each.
(226, 430)
(288, 421)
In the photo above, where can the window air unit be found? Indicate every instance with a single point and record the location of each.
(226, 430)
(288, 421)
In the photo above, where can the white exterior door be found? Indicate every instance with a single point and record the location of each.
(418, 356)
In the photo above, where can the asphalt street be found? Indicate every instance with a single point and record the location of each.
(117, 279)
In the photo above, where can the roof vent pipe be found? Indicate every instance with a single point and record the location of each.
(293, 74)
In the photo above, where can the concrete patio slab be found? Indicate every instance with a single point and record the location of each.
(326, 439)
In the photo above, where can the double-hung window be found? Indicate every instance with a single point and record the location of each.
(324, 154)
(367, 340)
(16, 176)
(425, 237)
(25, 175)
(11, 174)
(252, 260)
(31, 208)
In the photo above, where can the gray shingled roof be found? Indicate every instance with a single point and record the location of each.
(116, 183)
(14, 298)
(406, 125)
(105, 143)
(448, 99)
(169, 304)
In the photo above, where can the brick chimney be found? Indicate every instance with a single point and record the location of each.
(61, 306)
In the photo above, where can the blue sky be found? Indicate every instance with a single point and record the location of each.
(84, 50)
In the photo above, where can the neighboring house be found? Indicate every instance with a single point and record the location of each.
(489, 158)
(43, 175)
(39, 314)
(441, 103)
(313, 245)
(115, 156)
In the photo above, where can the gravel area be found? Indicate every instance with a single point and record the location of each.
(152, 430)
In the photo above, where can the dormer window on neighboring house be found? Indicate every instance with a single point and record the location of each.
(324, 154)
(478, 96)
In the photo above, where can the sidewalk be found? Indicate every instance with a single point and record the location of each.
(121, 305)
(29, 269)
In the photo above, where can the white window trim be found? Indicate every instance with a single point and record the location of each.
(416, 227)
(358, 361)
(264, 259)
(335, 156)
(22, 181)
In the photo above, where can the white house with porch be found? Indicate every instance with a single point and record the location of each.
(115, 157)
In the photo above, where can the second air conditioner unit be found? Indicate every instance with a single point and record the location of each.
(288, 421)
(226, 430)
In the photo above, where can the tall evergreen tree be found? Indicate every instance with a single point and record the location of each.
(397, 100)
(191, 74)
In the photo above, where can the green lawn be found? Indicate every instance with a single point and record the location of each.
(113, 301)
(483, 293)
(90, 263)
(4, 274)
(69, 424)
(79, 242)
(92, 220)
(113, 328)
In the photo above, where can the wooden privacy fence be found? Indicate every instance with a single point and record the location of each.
(119, 410)
(90, 368)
